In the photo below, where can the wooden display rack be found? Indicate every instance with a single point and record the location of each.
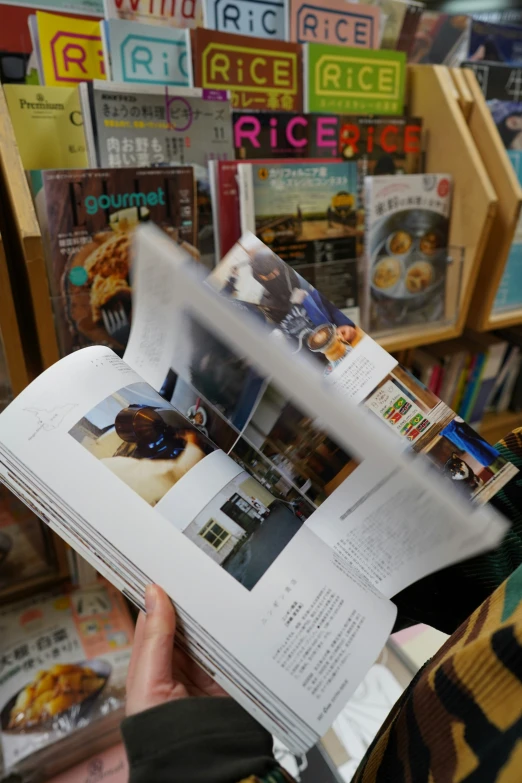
(509, 193)
(10, 340)
(25, 243)
(432, 95)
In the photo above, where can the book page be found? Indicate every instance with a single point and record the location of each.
(388, 520)
(145, 495)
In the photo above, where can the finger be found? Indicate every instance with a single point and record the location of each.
(151, 680)
(136, 646)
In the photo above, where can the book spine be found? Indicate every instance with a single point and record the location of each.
(461, 388)
(509, 384)
(105, 37)
(213, 181)
(88, 126)
(453, 368)
(473, 386)
(246, 198)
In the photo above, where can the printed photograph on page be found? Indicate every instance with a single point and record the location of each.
(151, 447)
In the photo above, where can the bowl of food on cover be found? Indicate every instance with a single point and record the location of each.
(65, 693)
(408, 258)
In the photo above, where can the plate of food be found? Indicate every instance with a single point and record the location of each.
(408, 257)
(64, 691)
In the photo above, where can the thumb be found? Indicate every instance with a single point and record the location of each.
(149, 682)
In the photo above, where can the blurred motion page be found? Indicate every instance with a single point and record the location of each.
(277, 516)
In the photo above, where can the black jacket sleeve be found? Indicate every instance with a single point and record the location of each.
(201, 740)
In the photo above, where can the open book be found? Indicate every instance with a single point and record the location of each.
(263, 494)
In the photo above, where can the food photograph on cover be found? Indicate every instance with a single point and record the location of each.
(146, 444)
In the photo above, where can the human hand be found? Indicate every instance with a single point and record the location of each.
(159, 672)
(346, 333)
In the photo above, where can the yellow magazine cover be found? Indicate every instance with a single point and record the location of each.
(71, 49)
(48, 126)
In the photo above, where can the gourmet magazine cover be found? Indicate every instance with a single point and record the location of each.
(88, 218)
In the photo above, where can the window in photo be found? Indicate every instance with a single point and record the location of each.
(216, 535)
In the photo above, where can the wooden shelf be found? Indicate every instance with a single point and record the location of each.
(495, 426)
(432, 95)
(25, 240)
(509, 193)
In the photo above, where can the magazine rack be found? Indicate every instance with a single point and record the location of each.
(509, 193)
(428, 318)
(432, 95)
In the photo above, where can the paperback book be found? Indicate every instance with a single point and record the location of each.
(407, 238)
(269, 472)
(87, 218)
(145, 54)
(307, 214)
(497, 81)
(260, 73)
(48, 125)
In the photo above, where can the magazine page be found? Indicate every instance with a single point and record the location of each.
(146, 496)
(385, 525)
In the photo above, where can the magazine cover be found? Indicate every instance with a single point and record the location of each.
(259, 72)
(88, 218)
(70, 49)
(258, 18)
(146, 54)
(307, 213)
(335, 22)
(345, 80)
(497, 81)
(65, 659)
(393, 143)
(495, 42)
(407, 235)
(151, 125)
(25, 550)
(440, 39)
(187, 13)
(48, 126)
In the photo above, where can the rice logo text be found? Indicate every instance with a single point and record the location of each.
(77, 57)
(154, 60)
(262, 18)
(316, 24)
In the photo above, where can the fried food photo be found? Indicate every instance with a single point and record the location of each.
(419, 277)
(429, 243)
(52, 692)
(387, 273)
(400, 242)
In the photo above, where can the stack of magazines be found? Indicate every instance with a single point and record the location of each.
(252, 454)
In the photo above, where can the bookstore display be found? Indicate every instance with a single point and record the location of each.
(232, 211)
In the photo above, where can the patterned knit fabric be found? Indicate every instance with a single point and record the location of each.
(460, 720)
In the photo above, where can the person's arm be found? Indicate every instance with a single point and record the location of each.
(172, 736)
